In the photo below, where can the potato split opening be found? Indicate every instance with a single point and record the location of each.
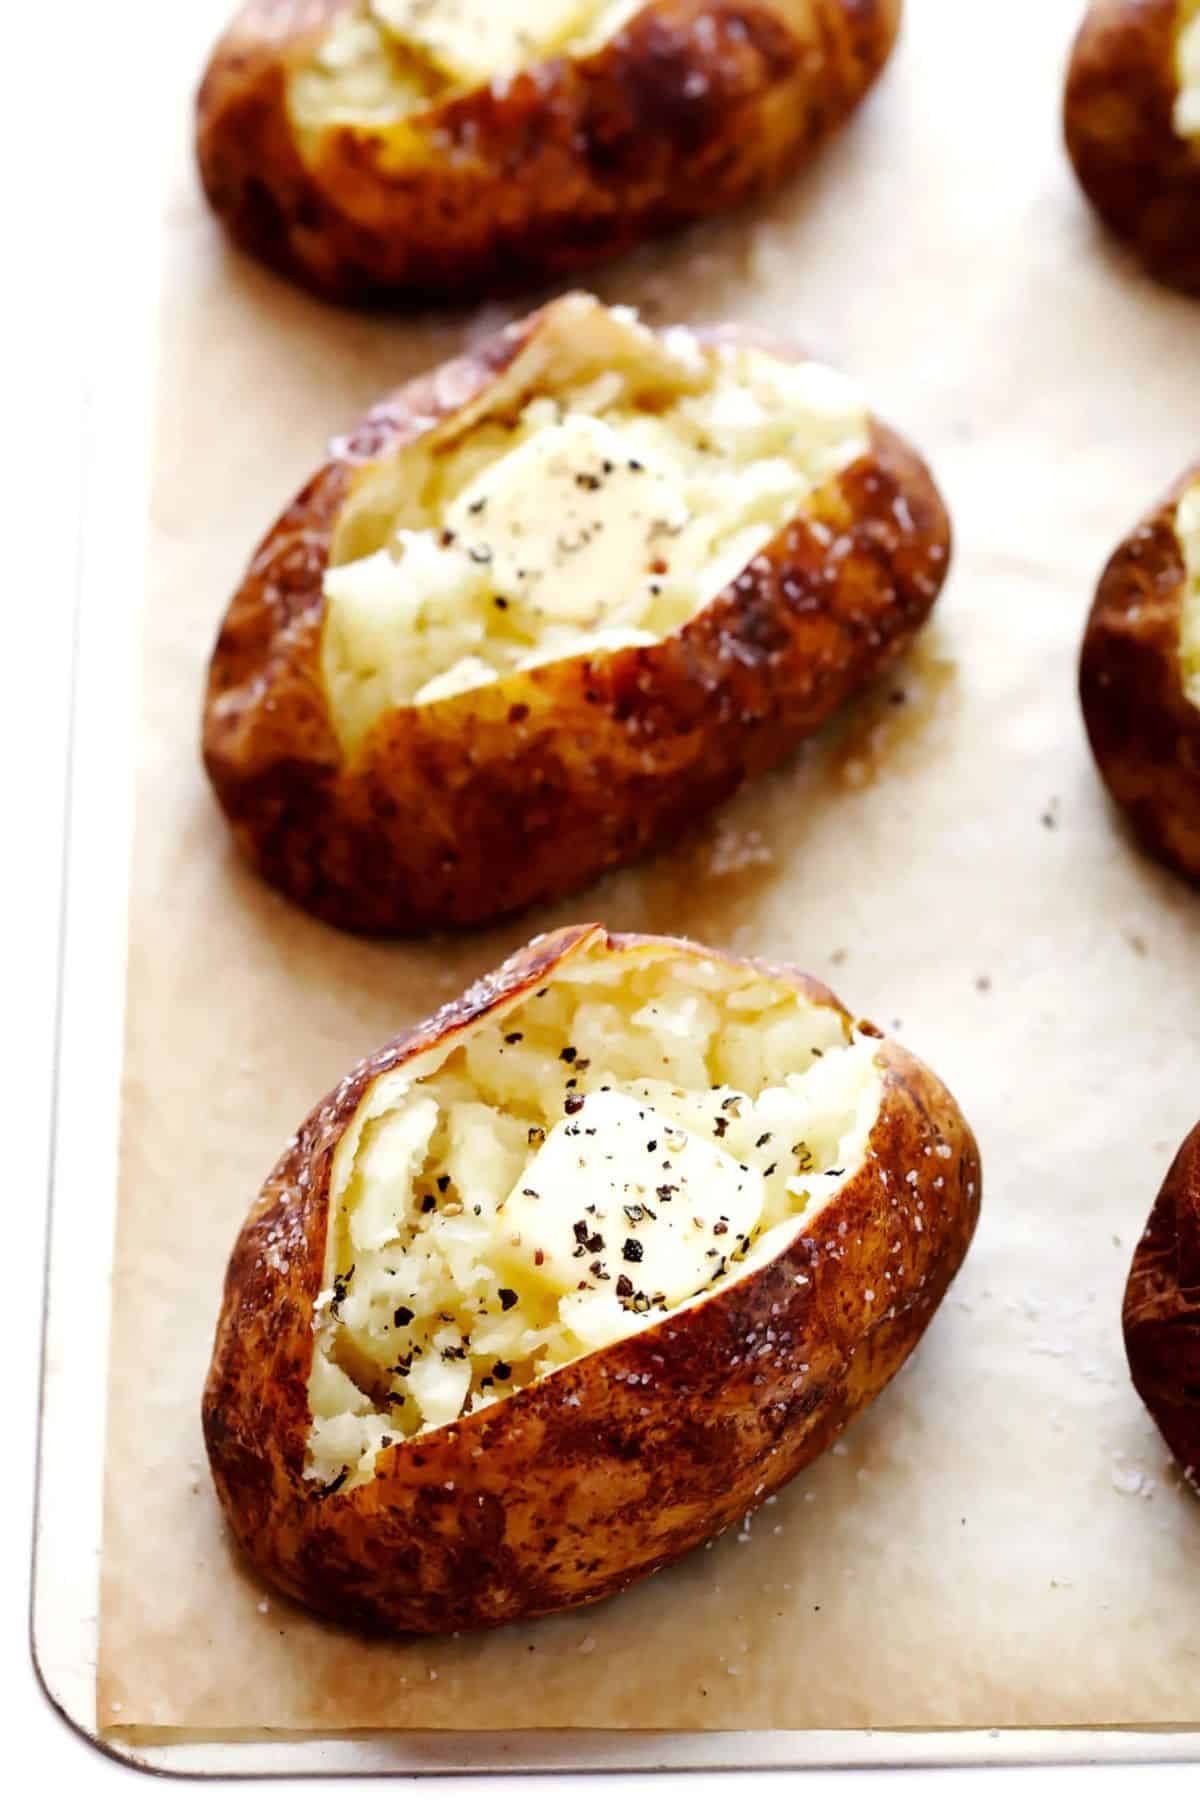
(1187, 72)
(385, 59)
(644, 1128)
(601, 492)
(1187, 530)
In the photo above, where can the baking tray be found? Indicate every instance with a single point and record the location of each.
(79, 1256)
(84, 1161)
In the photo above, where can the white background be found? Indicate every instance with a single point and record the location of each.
(77, 136)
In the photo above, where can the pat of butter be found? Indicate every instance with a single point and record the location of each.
(571, 520)
(472, 40)
(619, 1190)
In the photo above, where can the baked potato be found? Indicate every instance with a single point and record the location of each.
(1132, 118)
(1140, 678)
(567, 1278)
(547, 604)
(374, 147)
(1162, 1311)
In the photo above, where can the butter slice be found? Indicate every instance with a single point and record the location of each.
(469, 41)
(570, 521)
(617, 1189)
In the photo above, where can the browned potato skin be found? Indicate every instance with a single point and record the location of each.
(1142, 179)
(1144, 732)
(696, 105)
(1162, 1311)
(536, 1504)
(525, 790)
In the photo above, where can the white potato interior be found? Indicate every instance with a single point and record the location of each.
(1187, 529)
(609, 486)
(637, 1132)
(1187, 71)
(384, 59)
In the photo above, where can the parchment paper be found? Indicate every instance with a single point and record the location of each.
(1001, 1540)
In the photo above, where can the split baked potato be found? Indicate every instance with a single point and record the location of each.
(370, 147)
(546, 605)
(1140, 678)
(1132, 117)
(1162, 1311)
(569, 1277)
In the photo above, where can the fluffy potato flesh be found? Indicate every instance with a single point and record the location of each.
(640, 1131)
(1187, 529)
(1187, 72)
(604, 491)
(385, 59)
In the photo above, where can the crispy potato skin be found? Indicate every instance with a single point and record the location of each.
(619, 1463)
(1162, 1310)
(525, 790)
(1144, 732)
(1142, 179)
(695, 105)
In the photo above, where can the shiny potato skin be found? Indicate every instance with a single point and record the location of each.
(618, 1464)
(1162, 1311)
(521, 792)
(1142, 178)
(694, 106)
(1144, 732)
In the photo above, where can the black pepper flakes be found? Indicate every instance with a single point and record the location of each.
(632, 1251)
(403, 1315)
(507, 1298)
(341, 1284)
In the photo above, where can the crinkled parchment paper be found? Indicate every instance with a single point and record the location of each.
(1001, 1540)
